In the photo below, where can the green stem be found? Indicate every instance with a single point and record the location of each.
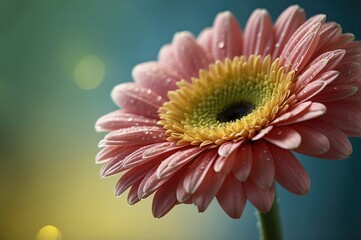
(269, 224)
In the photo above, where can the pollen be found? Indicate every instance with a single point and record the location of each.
(231, 101)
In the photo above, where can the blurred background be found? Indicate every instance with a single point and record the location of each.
(59, 61)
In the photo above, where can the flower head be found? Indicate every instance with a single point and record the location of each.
(221, 114)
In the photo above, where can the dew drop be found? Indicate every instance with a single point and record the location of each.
(221, 44)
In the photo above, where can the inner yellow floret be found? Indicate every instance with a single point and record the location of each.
(231, 101)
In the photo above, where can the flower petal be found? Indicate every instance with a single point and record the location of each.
(190, 56)
(210, 185)
(310, 90)
(263, 169)
(166, 56)
(108, 153)
(231, 197)
(120, 119)
(243, 163)
(323, 63)
(286, 24)
(289, 171)
(262, 199)
(155, 76)
(164, 199)
(227, 37)
(340, 146)
(114, 165)
(132, 195)
(226, 149)
(335, 92)
(258, 34)
(176, 161)
(304, 30)
(313, 142)
(303, 50)
(329, 33)
(284, 137)
(198, 171)
(345, 116)
(135, 135)
(312, 111)
(138, 99)
(149, 152)
(205, 39)
(131, 177)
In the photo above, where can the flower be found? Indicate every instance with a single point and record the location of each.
(220, 115)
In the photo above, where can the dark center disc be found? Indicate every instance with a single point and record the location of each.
(235, 111)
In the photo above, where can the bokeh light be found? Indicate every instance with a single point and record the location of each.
(89, 72)
(48, 232)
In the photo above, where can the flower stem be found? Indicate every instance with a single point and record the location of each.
(269, 224)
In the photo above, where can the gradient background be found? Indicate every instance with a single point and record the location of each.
(48, 142)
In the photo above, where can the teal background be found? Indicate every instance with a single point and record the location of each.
(48, 142)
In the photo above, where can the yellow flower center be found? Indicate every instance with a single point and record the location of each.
(231, 101)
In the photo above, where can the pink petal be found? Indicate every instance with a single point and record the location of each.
(340, 146)
(132, 195)
(205, 40)
(136, 135)
(120, 119)
(263, 169)
(107, 153)
(138, 99)
(227, 37)
(310, 90)
(182, 195)
(224, 164)
(286, 24)
(191, 57)
(345, 116)
(339, 43)
(164, 199)
(226, 149)
(243, 162)
(349, 72)
(303, 50)
(176, 161)
(155, 76)
(167, 57)
(207, 190)
(150, 183)
(313, 142)
(336, 92)
(262, 133)
(138, 157)
(262, 199)
(114, 166)
(304, 30)
(289, 171)
(294, 111)
(284, 137)
(160, 148)
(329, 33)
(131, 177)
(231, 197)
(323, 63)
(258, 34)
(198, 171)
(315, 110)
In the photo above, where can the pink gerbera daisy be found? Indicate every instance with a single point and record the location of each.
(220, 115)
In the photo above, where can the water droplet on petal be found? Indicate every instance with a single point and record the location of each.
(221, 44)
